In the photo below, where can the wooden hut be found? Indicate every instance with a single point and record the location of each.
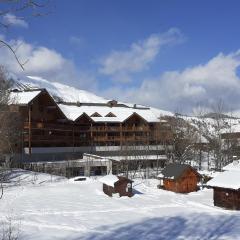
(226, 189)
(117, 184)
(180, 178)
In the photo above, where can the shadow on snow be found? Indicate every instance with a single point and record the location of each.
(194, 227)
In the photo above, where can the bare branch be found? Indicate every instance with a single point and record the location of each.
(13, 52)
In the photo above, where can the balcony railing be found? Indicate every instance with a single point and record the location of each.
(57, 127)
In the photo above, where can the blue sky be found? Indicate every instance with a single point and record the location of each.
(169, 54)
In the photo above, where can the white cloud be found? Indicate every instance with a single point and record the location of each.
(46, 63)
(204, 84)
(10, 19)
(137, 58)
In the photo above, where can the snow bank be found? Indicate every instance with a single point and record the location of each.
(80, 210)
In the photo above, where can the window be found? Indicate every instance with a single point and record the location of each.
(110, 114)
(96, 114)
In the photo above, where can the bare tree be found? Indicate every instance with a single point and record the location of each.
(212, 124)
(20, 9)
(219, 124)
(9, 127)
(10, 229)
(184, 138)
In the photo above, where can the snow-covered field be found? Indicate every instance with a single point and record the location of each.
(49, 207)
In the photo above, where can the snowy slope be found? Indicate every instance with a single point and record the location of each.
(80, 210)
(67, 93)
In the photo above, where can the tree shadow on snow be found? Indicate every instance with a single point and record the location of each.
(192, 227)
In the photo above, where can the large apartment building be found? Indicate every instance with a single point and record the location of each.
(53, 131)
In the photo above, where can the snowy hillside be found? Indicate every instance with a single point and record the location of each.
(67, 93)
(63, 209)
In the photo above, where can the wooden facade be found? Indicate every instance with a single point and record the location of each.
(226, 198)
(180, 178)
(123, 187)
(45, 125)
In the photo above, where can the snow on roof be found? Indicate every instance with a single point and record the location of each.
(121, 113)
(109, 180)
(174, 170)
(137, 157)
(227, 179)
(23, 97)
(121, 158)
(235, 165)
(160, 175)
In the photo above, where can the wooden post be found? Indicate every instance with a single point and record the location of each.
(91, 136)
(148, 135)
(29, 130)
(121, 135)
(73, 136)
(106, 134)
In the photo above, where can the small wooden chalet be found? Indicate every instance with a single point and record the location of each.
(180, 178)
(226, 189)
(113, 184)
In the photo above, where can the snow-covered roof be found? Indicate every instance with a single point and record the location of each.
(23, 97)
(235, 165)
(234, 127)
(175, 170)
(137, 157)
(121, 113)
(109, 180)
(122, 158)
(160, 175)
(227, 179)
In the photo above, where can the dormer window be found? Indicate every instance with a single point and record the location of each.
(96, 114)
(112, 103)
(110, 115)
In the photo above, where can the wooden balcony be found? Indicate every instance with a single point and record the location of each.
(135, 129)
(76, 128)
(107, 139)
(56, 127)
(106, 129)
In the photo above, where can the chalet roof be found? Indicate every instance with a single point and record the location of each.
(235, 165)
(109, 180)
(121, 113)
(23, 97)
(228, 179)
(122, 158)
(174, 170)
(137, 157)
